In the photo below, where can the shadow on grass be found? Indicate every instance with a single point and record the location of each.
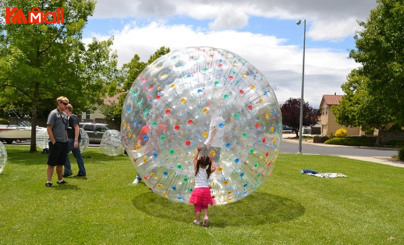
(257, 209)
(65, 187)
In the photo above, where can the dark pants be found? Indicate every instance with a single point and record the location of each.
(57, 153)
(77, 154)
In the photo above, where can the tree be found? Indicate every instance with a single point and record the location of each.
(159, 52)
(358, 108)
(130, 72)
(40, 62)
(374, 92)
(380, 50)
(291, 114)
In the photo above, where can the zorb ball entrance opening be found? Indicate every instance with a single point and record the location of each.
(202, 96)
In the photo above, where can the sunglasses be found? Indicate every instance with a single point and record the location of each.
(64, 103)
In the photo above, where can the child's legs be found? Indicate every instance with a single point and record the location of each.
(198, 209)
(205, 211)
(205, 217)
(197, 216)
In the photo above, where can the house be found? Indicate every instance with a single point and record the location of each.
(97, 116)
(92, 116)
(329, 123)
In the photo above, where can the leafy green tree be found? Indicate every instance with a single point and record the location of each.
(97, 69)
(159, 52)
(380, 50)
(291, 114)
(40, 62)
(359, 108)
(374, 92)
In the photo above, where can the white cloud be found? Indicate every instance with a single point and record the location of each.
(328, 20)
(280, 63)
(331, 19)
(229, 20)
(333, 30)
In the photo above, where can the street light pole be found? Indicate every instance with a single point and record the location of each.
(302, 95)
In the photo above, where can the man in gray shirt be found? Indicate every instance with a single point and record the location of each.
(58, 146)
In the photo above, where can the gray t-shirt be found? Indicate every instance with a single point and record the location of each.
(59, 122)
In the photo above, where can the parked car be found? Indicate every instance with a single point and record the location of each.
(95, 131)
(287, 129)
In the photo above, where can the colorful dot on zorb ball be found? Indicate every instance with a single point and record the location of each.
(3, 157)
(111, 144)
(229, 105)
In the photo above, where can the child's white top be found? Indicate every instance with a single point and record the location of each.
(201, 179)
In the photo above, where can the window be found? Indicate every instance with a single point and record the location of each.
(325, 110)
(88, 127)
(88, 115)
(100, 128)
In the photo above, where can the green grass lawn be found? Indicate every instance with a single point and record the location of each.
(367, 207)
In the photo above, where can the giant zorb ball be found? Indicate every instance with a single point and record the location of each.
(3, 157)
(84, 140)
(111, 144)
(174, 105)
(42, 138)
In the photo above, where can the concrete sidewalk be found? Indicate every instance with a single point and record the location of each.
(377, 159)
(381, 160)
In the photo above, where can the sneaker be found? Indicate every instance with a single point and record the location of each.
(61, 181)
(197, 222)
(137, 181)
(48, 184)
(206, 222)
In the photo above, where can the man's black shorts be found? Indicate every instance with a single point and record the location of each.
(57, 153)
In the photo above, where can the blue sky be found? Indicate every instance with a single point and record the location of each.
(264, 32)
(259, 25)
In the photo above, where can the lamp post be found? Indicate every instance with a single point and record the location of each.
(301, 98)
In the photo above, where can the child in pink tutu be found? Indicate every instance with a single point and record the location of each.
(200, 196)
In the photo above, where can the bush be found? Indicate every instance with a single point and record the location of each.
(341, 133)
(320, 139)
(395, 143)
(401, 154)
(352, 141)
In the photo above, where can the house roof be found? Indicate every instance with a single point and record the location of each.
(331, 99)
(114, 99)
(111, 100)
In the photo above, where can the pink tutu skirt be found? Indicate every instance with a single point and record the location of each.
(201, 196)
